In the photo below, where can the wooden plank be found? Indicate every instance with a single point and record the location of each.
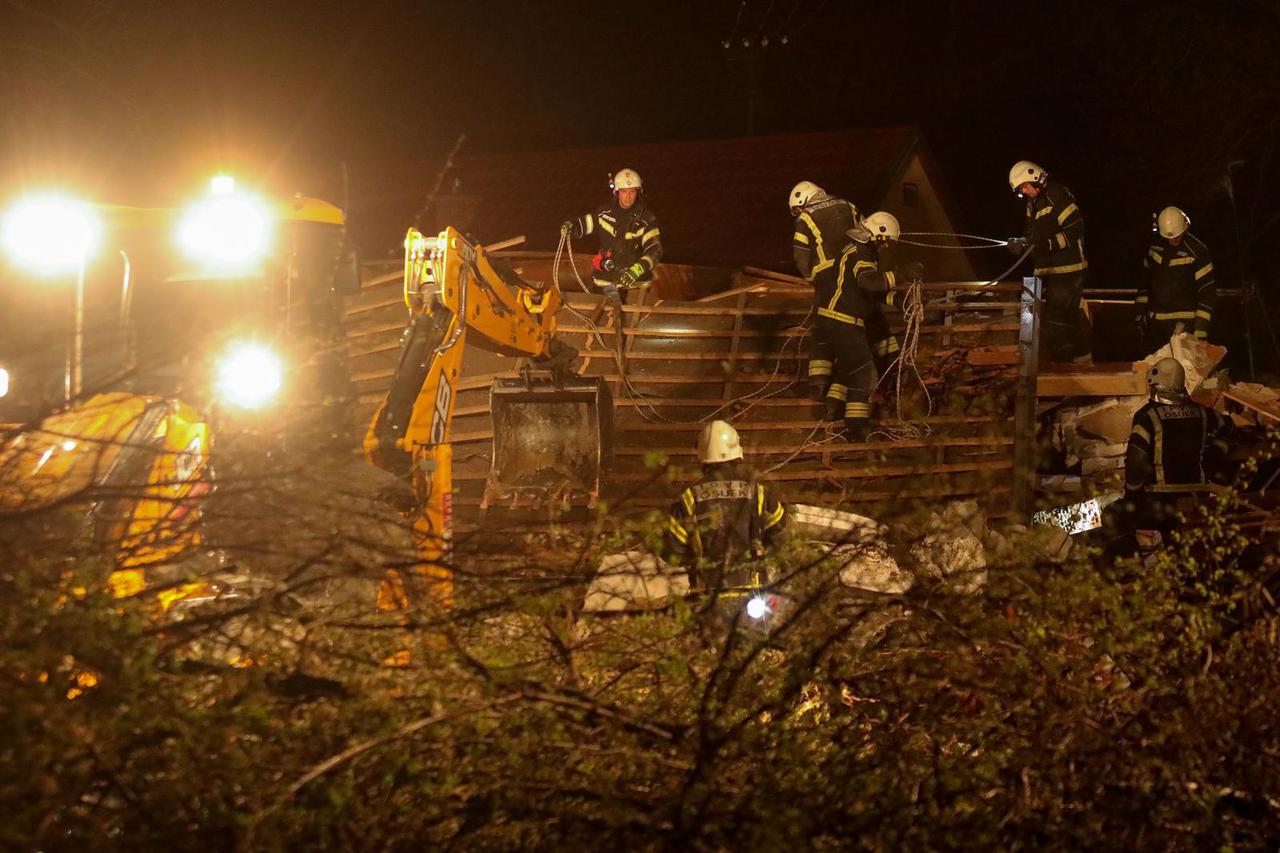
(1024, 451)
(809, 423)
(867, 473)
(504, 244)
(570, 329)
(1250, 402)
(1098, 380)
(735, 346)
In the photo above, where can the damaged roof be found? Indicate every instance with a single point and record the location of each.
(720, 202)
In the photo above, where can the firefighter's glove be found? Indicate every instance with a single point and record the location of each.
(612, 297)
(568, 228)
(1017, 245)
(913, 271)
(631, 275)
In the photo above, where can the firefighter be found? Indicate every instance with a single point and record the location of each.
(1178, 292)
(821, 235)
(840, 325)
(1054, 237)
(1177, 447)
(726, 516)
(630, 243)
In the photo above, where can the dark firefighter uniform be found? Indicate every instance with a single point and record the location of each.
(821, 235)
(1055, 231)
(1174, 451)
(725, 516)
(1172, 444)
(627, 238)
(839, 335)
(1177, 287)
(822, 232)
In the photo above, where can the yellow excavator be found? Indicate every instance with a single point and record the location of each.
(206, 359)
(551, 429)
(202, 347)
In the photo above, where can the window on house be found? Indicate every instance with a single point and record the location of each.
(910, 195)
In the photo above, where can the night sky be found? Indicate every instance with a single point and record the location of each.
(1133, 105)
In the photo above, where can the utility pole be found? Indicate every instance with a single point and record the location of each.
(750, 51)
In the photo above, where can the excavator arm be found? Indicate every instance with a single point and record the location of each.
(457, 294)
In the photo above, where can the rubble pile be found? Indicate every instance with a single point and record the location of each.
(1090, 435)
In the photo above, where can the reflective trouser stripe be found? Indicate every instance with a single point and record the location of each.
(836, 315)
(857, 410)
(820, 367)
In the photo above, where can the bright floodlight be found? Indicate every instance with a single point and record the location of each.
(228, 231)
(50, 234)
(4, 382)
(249, 375)
(222, 185)
(757, 608)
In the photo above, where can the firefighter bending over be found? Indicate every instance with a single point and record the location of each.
(839, 329)
(630, 243)
(1178, 293)
(1176, 448)
(726, 516)
(1054, 235)
(821, 234)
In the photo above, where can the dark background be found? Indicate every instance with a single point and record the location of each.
(1134, 105)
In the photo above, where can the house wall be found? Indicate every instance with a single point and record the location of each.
(929, 214)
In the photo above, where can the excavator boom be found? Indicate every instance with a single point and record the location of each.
(550, 433)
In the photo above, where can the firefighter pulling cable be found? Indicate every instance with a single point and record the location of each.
(1054, 237)
(630, 241)
(844, 304)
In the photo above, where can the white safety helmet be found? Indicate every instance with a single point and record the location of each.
(627, 179)
(719, 443)
(1167, 378)
(803, 193)
(1172, 222)
(883, 226)
(1026, 172)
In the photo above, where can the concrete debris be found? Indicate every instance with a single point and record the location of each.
(957, 559)
(1047, 542)
(952, 552)
(633, 580)
(1103, 450)
(830, 525)
(1060, 483)
(1100, 464)
(1256, 392)
(1198, 358)
(1109, 420)
(870, 567)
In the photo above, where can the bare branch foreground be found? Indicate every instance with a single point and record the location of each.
(1038, 702)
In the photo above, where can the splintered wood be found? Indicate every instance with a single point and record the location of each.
(742, 356)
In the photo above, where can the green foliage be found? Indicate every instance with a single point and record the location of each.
(1080, 705)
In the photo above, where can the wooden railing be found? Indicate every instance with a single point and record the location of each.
(743, 358)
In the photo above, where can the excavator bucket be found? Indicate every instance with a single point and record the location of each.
(551, 444)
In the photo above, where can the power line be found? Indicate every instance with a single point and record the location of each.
(737, 21)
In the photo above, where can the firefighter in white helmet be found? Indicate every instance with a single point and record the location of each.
(1177, 447)
(821, 233)
(845, 313)
(630, 242)
(727, 515)
(1053, 235)
(1178, 292)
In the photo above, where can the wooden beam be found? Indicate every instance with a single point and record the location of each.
(504, 244)
(1097, 380)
